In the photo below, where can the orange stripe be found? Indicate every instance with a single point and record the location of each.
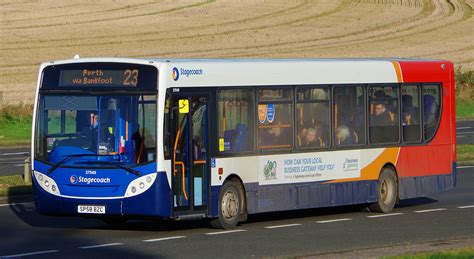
(398, 70)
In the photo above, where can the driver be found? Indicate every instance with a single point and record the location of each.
(90, 133)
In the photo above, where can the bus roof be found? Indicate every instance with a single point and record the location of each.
(253, 72)
(239, 60)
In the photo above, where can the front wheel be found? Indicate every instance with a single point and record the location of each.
(386, 192)
(229, 206)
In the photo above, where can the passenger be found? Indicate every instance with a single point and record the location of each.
(138, 138)
(430, 110)
(271, 137)
(381, 117)
(321, 134)
(311, 139)
(300, 137)
(408, 111)
(343, 136)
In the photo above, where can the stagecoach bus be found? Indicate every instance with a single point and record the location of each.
(117, 138)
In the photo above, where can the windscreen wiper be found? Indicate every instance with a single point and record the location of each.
(56, 166)
(67, 158)
(128, 169)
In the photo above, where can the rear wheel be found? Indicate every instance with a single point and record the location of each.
(386, 192)
(229, 206)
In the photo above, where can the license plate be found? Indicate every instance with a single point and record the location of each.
(91, 209)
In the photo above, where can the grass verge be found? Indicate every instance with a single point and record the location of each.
(464, 110)
(15, 124)
(12, 185)
(465, 154)
(467, 253)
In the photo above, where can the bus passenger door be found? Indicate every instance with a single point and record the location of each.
(190, 167)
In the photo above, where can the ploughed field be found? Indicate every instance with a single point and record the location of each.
(36, 31)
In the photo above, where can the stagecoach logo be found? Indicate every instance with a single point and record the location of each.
(88, 180)
(175, 74)
(269, 170)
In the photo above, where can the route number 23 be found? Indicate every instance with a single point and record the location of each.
(131, 77)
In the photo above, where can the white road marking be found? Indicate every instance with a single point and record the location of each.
(11, 154)
(384, 215)
(225, 232)
(19, 165)
(461, 128)
(284, 226)
(27, 254)
(163, 239)
(466, 207)
(13, 204)
(431, 210)
(466, 166)
(465, 133)
(98, 246)
(332, 220)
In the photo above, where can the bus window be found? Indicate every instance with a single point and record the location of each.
(349, 115)
(431, 109)
(235, 114)
(312, 117)
(411, 113)
(144, 136)
(275, 119)
(384, 119)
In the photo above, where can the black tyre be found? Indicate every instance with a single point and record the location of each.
(230, 204)
(387, 191)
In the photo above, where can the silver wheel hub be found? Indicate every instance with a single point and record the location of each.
(386, 191)
(230, 205)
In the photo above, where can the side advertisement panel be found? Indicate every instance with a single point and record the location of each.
(310, 167)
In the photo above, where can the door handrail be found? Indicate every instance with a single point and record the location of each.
(183, 167)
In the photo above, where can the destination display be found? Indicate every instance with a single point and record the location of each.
(99, 77)
(89, 76)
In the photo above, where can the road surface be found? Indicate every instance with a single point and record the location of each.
(443, 218)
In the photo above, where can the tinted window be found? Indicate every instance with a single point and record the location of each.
(411, 113)
(275, 118)
(312, 117)
(384, 119)
(349, 115)
(235, 112)
(431, 109)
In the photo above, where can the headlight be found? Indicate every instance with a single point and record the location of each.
(47, 183)
(140, 185)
